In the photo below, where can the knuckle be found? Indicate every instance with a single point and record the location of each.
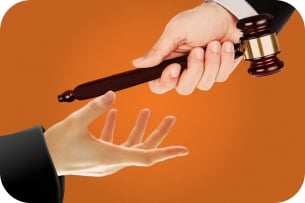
(95, 105)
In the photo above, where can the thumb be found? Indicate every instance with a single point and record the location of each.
(95, 108)
(166, 44)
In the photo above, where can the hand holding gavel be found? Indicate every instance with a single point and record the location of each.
(258, 44)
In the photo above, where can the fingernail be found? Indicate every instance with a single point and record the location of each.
(109, 97)
(215, 47)
(199, 53)
(228, 47)
(174, 72)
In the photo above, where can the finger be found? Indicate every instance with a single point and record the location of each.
(167, 43)
(150, 157)
(94, 108)
(227, 62)
(211, 66)
(158, 135)
(190, 77)
(138, 130)
(167, 81)
(108, 130)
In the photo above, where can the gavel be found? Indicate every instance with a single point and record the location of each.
(259, 45)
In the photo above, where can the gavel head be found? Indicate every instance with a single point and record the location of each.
(260, 45)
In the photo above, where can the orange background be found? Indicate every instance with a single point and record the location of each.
(245, 136)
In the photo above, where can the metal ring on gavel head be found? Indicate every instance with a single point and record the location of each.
(261, 46)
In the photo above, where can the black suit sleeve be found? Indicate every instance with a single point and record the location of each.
(281, 11)
(26, 169)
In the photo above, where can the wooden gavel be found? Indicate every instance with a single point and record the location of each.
(259, 45)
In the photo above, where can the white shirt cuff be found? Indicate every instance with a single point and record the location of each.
(239, 8)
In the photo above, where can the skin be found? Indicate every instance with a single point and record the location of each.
(208, 25)
(75, 151)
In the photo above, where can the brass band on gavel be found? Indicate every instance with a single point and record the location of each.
(261, 46)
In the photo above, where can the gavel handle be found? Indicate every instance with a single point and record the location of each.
(125, 79)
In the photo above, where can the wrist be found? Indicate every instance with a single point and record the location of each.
(54, 151)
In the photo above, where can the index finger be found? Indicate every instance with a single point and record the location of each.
(162, 49)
